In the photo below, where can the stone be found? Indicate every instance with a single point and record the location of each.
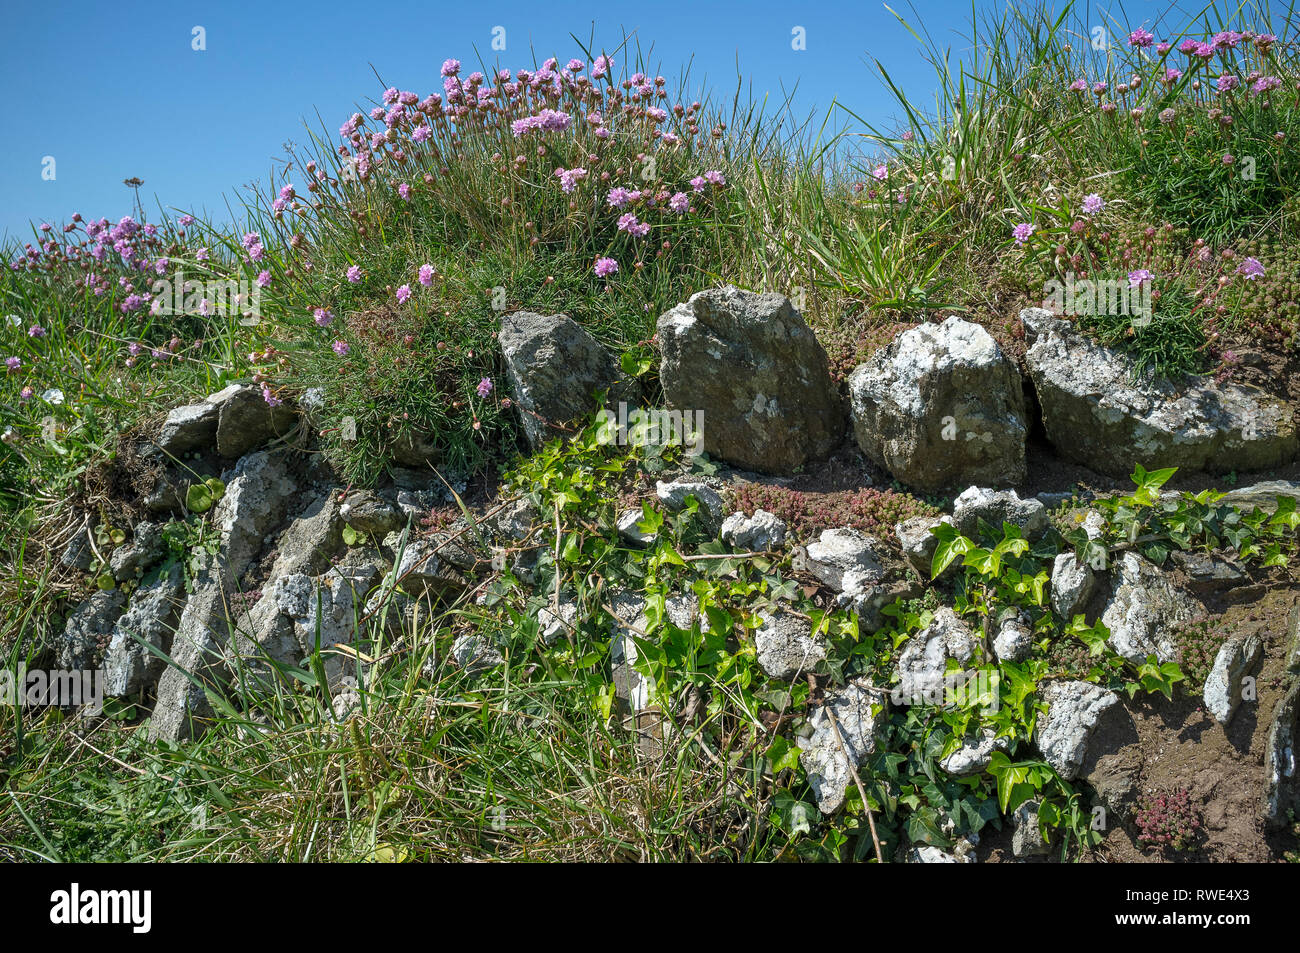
(1026, 836)
(830, 757)
(919, 543)
(77, 553)
(1144, 610)
(942, 406)
(1263, 495)
(145, 549)
(190, 428)
(1073, 583)
(309, 541)
(1292, 657)
(423, 568)
(1096, 413)
(1282, 780)
(1074, 710)
(674, 497)
(475, 653)
(555, 368)
(1014, 641)
(632, 690)
(246, 421)
(845, 559)
(1237, 658)
(923, 663)
(87, 631)
(996, 507)
(974, 755)
(558, 623)
(150, 617)
(761, 532)
(367, 512)
(755, 369)
(785, 645)
(413, 447)
(182, 711)
(256, 500)
(630, 531)
(1208, 572)
(929, 854)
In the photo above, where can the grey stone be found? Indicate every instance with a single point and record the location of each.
(1097, 414)
(1014, 641)
(1026, 836)
(308, 542)
(674, 497)
(423, 568)
(755, 369)
(475, 653)
(1207, 572)
(256, 500)
(974, 755)
(632, 690)
(829, 757)
(555, 367)
(628, 529)
(150, 618)
(145, 549)
(246, 421)
(1144, 610)
(1282, 791)
(929, 854)
(1237, 658)
(77, 554)
(1263, 495)
(1073, 583)
(1074, 709)
(919, 544)
(923, 663)
(182, 711)
(87, 630)
(189, 428)
(366, 512)
(785, 645)
(942, 406)
(996, 507)
(845, 559)
(1292, 658)
(761, 532)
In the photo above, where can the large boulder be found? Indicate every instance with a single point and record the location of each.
(1096, 412)
(555, 367)
(942, 406)
(754, 368)
(923, 663)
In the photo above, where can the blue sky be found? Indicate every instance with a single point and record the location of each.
(112, 90)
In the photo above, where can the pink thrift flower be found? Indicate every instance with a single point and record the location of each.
(354, 274)
(604, 268)
(341, 348)
(484, 387)
(425, 276)
(403, 294)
